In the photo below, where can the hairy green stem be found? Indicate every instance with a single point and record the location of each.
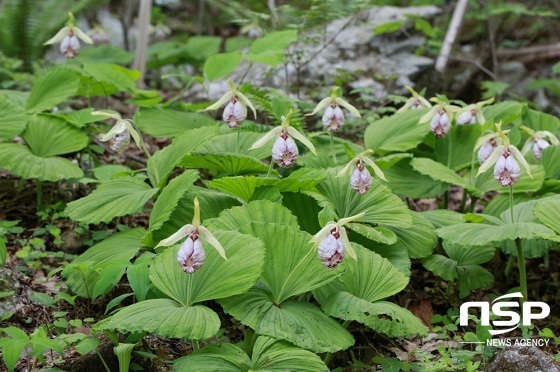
(520, 256)
(103, 361)
(332, 148)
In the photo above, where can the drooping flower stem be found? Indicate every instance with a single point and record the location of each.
(332, 148)
(520, 255)
(195, 345)
(237, 141)
(270, 168)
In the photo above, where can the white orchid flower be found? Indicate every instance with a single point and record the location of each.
(333, 118)
(507, 159)
(440, 117)
(191, 255)
(120, 133)
(360, 178)
(538, 141)
(486, 145)
(284, 151)
(68, 37)
(414, 102)
(235, 111)
(473, 113)
(332, 242)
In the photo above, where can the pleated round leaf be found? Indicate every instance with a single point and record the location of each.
(301, 323)
(217, 278)
(49, 136)
(484, 234)
(258, 211)
(51, 88)
(270, 354)
(226, 357)
(407, 182)
(383, 317)
(292, 266)
(370, 277)
(379, 203)
(165, 317)
(230, 164)
(111, 199)
(20, 161)
(548, 212)
(420, 239)
(14, 118)
(377, 234)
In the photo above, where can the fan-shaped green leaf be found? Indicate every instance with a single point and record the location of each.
(48, 136)
(221, 65)
(212, 203)
(52, 88)
(235, 144)
(165, 317)
(229, 164)
(443, 217)
(377, 234)
(275, 355)
(111, 171)
(82, 274)
(226, 358)
(169, 198)
(305, 208)
(405, 181)
(398, 132)
(301, 323)
(111, 199)
(507, 111)
(217, 278)
(384, 317)
(440, 172)
(463, 139)
(258, 211)
(19, 161)
(420, 239)
(166, 122)
(14, 118)
(550, 161)
(164, 161)
(483, 234)
(380, 205)
(548, 212)
(121, 77)
(370, 277)
(292, 266)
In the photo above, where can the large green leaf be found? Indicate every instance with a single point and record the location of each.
(167, 122)
(84, 272)
(483, 234)
(419, 239)
(463, 264)
(49, 136)
(301, 323)
(463, 139)
(217, 278)
(269, 49)
(268, 354)
(440, 172)
(169, 198)
(550, 161)
(221, 65)
(225, 357)
(399, 132)
(19, 161)
(292, 266)
(548, 212)
(212, 203)
(230, 164)
(164, 161)
(164, 317)
(443, 217)
(121, 77)
(256, 211)
(507, 111)
(305, 208)
(14, 118)
(380, 204)
(52, 88)
(370, 277)
(111, 199)
(405, 181)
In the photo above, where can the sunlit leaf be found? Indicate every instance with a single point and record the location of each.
(52, 88)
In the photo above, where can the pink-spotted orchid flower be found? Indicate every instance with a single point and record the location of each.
(414, 102)
(68, 37)
(333, 118)
(235, 111)
(120, 134)
(191, 255)
(538, 141)
(360, 177)
(439, 117)
(284, 150)
(473, 113)
(507, 161)
(332, 242)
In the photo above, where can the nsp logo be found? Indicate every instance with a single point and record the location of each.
(498, 309)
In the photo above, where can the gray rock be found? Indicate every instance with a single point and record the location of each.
(9, 283)
(522, 359)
